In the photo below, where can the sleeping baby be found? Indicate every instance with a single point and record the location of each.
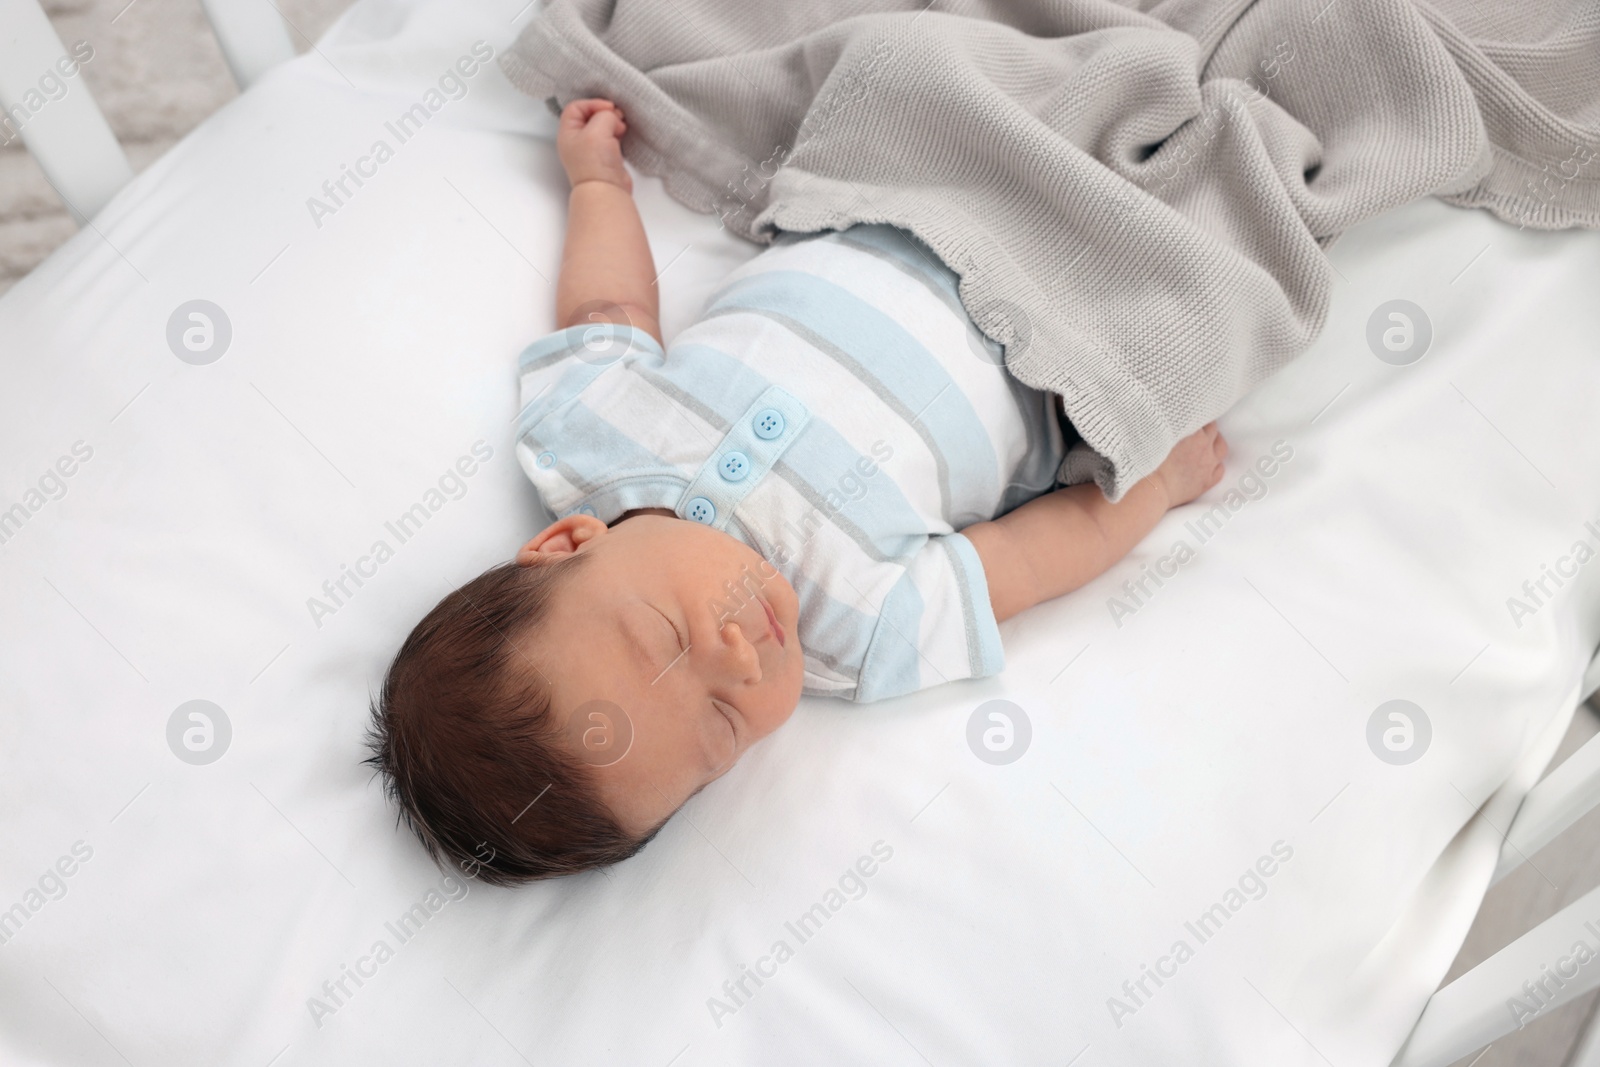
(828, 484)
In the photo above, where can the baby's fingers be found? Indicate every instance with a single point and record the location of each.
(578, 113)
(605, 124)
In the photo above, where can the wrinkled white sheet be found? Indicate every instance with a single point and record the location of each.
(211, 909)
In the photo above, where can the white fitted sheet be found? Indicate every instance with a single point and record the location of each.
(1168, 753)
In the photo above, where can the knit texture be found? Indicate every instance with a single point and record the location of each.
(1136, 202)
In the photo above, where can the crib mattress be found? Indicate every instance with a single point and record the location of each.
(1206, 838)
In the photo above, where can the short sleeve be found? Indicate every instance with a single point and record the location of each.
(559, 365)
(563, 446)
(936, 624)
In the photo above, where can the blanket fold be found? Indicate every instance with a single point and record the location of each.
(1136, 201)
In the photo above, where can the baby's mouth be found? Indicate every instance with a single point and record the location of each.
(772, 621)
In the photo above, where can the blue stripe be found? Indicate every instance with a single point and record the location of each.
(893, 665)
(719, 387)
(906, 251)
(891, 361)
(548, 353)
(600, 452)
(870, 509)
(832, 632)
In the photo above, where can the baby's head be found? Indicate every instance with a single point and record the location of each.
(551, 714)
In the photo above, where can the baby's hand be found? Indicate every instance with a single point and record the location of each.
(1193, 466)
(589, 143)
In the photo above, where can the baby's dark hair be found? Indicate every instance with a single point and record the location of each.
(463, 735)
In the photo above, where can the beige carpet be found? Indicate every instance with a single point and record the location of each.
(156, 73)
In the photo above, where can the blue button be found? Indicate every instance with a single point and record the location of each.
(768, 423)
(734, 466)
(702, 510)
(546, 459)
(586, 510)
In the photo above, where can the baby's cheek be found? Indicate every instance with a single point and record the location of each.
(777, 704)
(717, 738)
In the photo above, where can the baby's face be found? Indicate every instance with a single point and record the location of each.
(687, 630)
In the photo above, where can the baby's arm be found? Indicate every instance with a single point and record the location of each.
(1062, 540)
(607, 273)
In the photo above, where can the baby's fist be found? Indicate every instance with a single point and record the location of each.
(1193, 466)
(589, 142)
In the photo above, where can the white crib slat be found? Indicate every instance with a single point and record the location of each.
(1482, 1005)
(67, 135)
(253, 37)
(1567, 794)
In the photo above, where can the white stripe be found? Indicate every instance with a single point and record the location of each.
(943, 640)
(927, 318)
(653, 420)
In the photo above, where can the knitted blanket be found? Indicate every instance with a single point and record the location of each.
(1137, 202)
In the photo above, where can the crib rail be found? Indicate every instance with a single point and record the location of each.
(1544, 968)
(62, 127)
(1521, 984)
(253, 37)
(53, 113)
(1570, 791)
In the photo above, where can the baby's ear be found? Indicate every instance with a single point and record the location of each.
(561, 538)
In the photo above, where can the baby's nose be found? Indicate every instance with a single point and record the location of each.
(738, 656)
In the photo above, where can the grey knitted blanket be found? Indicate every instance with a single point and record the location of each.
(1136, 201)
